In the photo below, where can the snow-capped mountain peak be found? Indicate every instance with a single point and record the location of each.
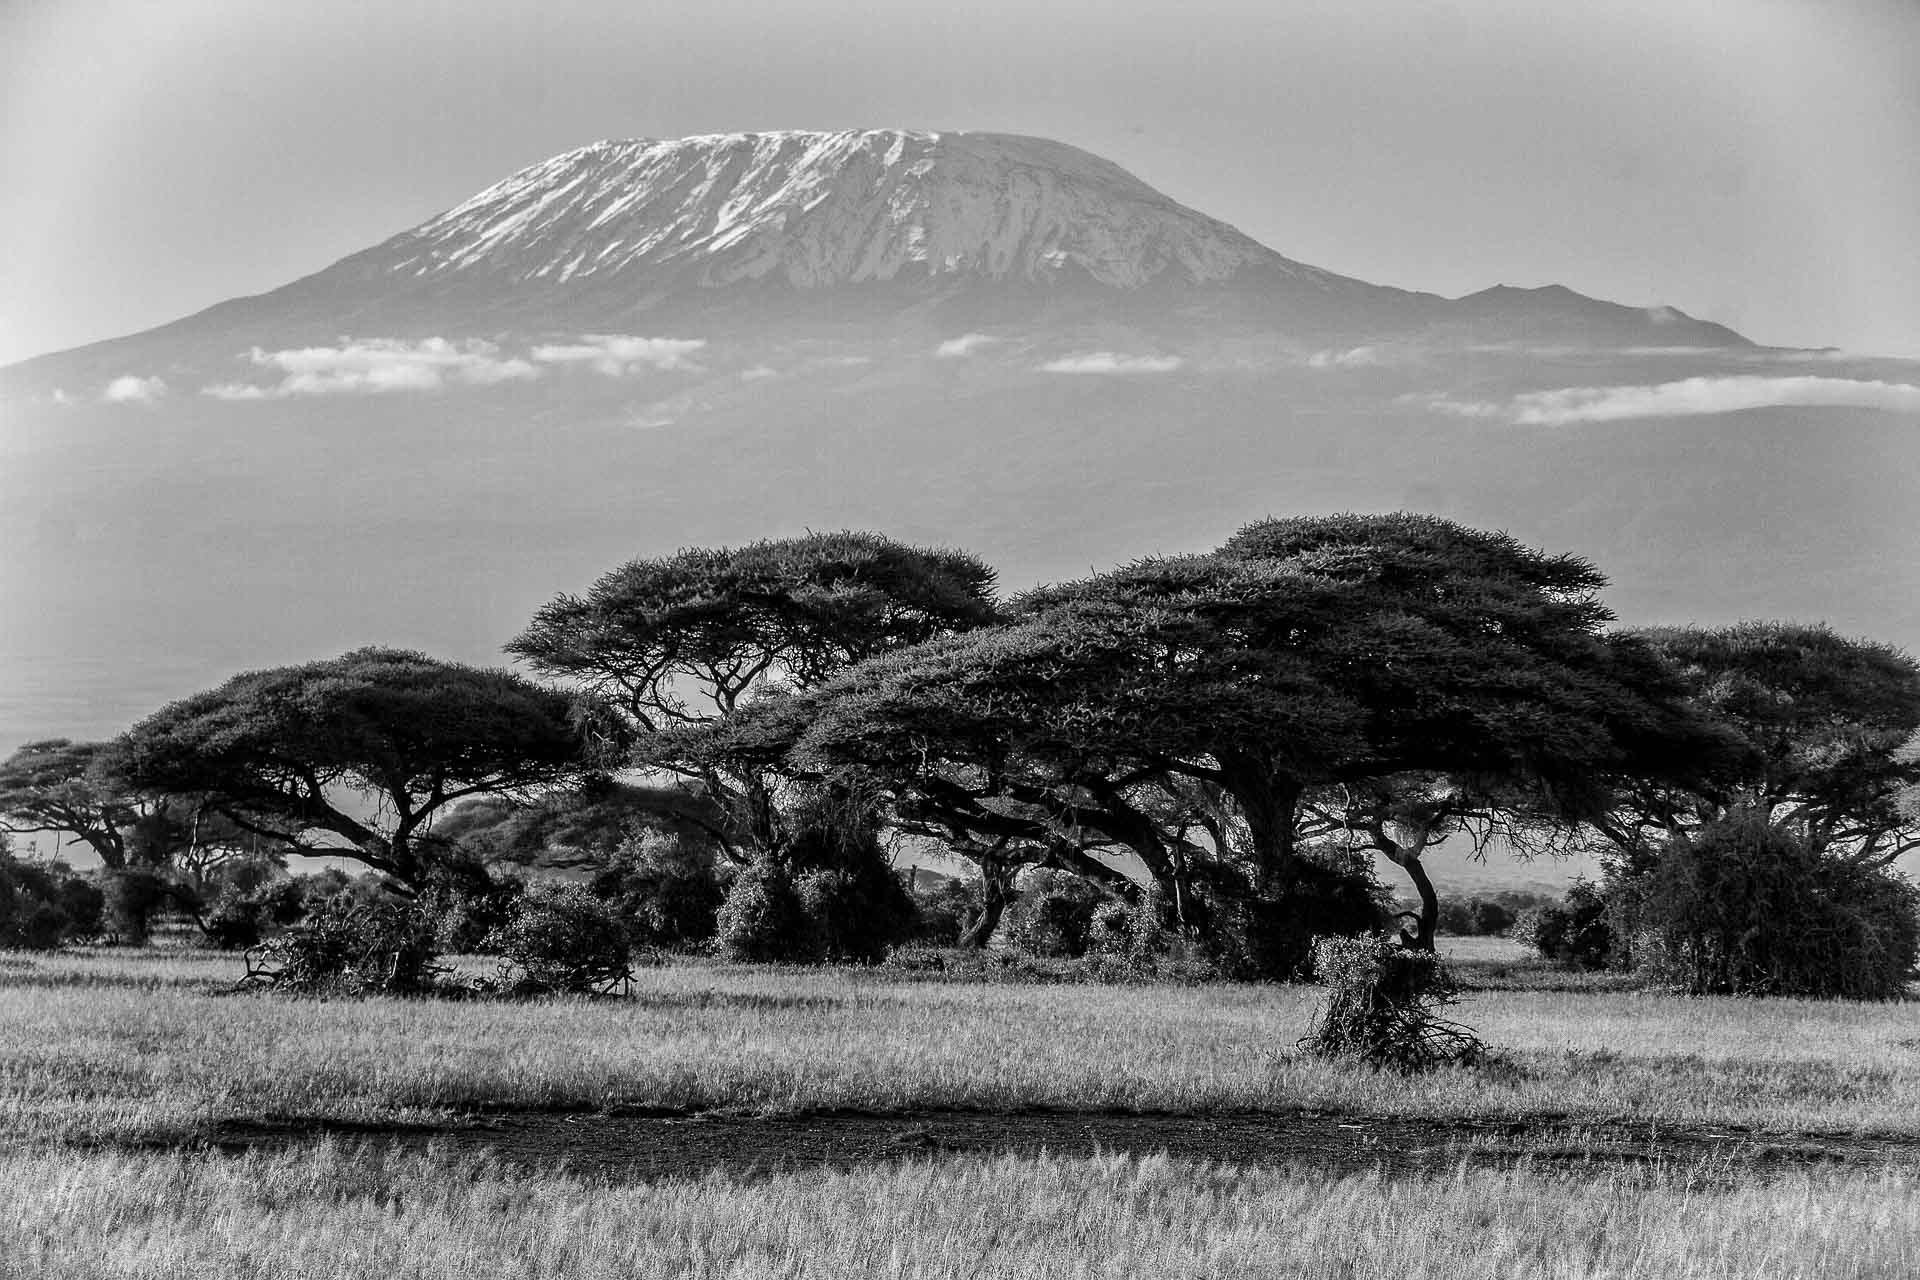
(822, 209)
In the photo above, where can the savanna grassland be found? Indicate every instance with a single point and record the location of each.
(1619, 1132)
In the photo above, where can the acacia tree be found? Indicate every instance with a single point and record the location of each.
(50, 786)
(1213, 707)
(1830, 731)
(368, 748)
(692, 638)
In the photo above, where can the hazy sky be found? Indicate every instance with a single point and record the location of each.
(1750, 161)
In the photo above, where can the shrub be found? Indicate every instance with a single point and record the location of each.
(1053, 917)
(668, 888)
(1577, 932)
(468, 905)
(351, 948)
(134, 895)
(1382, 1007)
(1250, 938)
(32, 915)
(943, 910)
(856, 913)
(1475, 917)
(763, 919)
(562, 939)
(1747, 909)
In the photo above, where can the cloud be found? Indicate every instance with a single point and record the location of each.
(375, 365)
(1685, 398)
(1354, 358)
(616, 354)
(964, 345)
(1112, 362)
(132, 389)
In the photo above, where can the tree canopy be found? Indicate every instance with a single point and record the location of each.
(368, 748)
(1830, 731)
(689, 636)
(692, 638)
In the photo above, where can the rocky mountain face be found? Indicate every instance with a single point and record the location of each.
(981, 340)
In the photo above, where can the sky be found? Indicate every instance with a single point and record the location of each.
(1749, 161)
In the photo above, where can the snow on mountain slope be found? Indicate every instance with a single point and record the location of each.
(821, 209)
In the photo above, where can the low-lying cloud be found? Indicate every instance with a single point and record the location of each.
(1352, 358)
(1112, 362)
(375, 365)
(1686, 398)
(131, 389)
(617, 354)
(964, 345)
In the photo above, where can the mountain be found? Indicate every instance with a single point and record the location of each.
(986, 340)
(768, 231)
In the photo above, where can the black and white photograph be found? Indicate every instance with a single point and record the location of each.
(1033, 638)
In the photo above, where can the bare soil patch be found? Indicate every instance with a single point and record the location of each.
(639, 1146)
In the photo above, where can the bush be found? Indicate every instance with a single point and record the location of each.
(1254, 939)
(1744, 908)
(354, 949)
(943, 910)
(1383, 1005)
(250, 909)
(468, 905)
(134, 895)
(1577, 932)
(666, 887)
(1053, 917)
(763, 919)
(564, 940)
(33, 906)
(856, 913)
(1475, 917)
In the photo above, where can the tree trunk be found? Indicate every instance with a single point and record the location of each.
(1421, 938)
(996, 892)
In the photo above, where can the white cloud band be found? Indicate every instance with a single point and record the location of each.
(1686, 398)
(1097, 362)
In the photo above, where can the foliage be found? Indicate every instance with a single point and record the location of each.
(406, 734)
(1745, 907)
(943, 907)
(561, 939)
(574, 827)
(1478, 917)
(668, 889)
(720, 620)
(347, 948)
(1054, 915)
(44, 905)
(763, 918)
(1577, 931)
(1382, 1007)
(468, 904)
(1251, 938)
(134, 895)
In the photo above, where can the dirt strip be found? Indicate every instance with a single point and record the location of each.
(628, 1147)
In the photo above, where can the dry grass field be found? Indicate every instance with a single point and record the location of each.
(117, 1070)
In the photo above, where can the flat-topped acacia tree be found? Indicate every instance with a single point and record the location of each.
(51, 786)
(689, 639)
(368, 747)
(1291, 675)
